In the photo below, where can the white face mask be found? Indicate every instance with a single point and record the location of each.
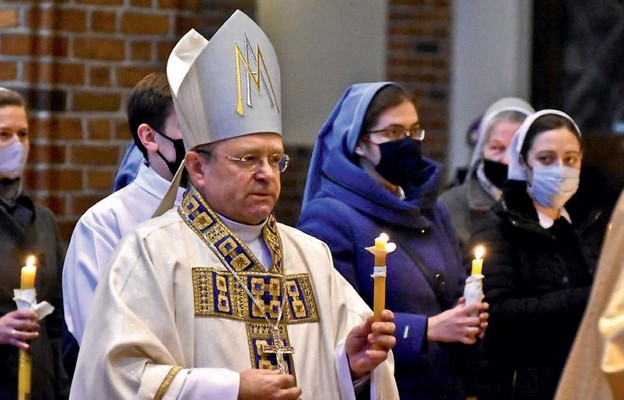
(13, 159)
(553, 185)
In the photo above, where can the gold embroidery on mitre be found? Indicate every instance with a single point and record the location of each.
(162, 389)
(257, 77)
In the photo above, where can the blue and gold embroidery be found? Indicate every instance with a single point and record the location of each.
(217, 293)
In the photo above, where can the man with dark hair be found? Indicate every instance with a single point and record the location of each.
(156, 133)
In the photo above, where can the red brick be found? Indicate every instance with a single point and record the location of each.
(22, 45)
(94, 154)
(104, 21)
(101, 2)
(99, 179)
(141, 50)
(8, 18)
(54, 179)
(56, 128)
(56, 204)
(183, 24)
(8, 71)
(99, 49)
(133, 23)
(130, 76)
(59, 19)
(47, 153)
(122, 131)
(96, 101)
(66, 227)
(192, 5)
(82, 202)
(99, 129)
(163, 49)
(72, 74)
(100, 76)
(141, 3)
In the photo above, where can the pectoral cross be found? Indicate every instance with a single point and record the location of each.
(279, 350)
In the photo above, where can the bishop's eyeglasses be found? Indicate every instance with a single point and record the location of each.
(253, 162)
(400, 132)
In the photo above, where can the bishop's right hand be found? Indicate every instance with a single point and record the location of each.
(267, 384)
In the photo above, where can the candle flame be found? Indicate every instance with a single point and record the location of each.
(479, 251)
(384, 237)
(30, 261)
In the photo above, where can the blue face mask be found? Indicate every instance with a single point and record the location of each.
(553, 185)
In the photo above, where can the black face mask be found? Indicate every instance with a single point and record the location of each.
(400, 160)
(495, 171)
(178, 145)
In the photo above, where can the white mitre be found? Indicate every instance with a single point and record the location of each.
(223, 88)
(228, 86)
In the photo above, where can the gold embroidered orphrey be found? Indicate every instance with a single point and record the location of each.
(246, 291)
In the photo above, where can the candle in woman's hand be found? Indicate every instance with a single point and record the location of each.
(477, 262)
(380, 250)
(24, 375)
(29, 271)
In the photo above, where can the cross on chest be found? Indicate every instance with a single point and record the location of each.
(279, 349)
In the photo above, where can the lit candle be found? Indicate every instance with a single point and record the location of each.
(24, 376)
(473, 291)
(477, 262)
(381, 249)
(29, 271)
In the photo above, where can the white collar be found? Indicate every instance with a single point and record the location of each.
(247, 233)
(546, 222)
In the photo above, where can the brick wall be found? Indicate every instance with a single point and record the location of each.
(77, 61)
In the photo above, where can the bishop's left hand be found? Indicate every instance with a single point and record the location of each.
(359, 344)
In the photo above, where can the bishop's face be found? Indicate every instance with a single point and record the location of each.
(235, 189)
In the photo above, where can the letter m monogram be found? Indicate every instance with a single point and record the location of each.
(259, 78)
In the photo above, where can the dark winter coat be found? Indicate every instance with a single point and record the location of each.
(537, 282)
(29, 229)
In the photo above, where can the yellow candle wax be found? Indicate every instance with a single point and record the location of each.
(477, 262)
(29, 271)
(24, 374)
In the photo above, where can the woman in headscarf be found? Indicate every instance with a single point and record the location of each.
(367, 176)
(469, 202)
(543, 246)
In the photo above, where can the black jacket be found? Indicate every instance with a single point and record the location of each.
(537, 282)
(25, 229)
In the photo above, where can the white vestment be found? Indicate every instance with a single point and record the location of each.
(169, 321)
(595, 366)
(96, 235)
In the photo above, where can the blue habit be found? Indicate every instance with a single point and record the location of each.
(347, 209)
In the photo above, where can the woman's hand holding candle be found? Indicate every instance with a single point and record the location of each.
(473, 291)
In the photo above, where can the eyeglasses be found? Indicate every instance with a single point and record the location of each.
(252, 163)
(400, 132)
